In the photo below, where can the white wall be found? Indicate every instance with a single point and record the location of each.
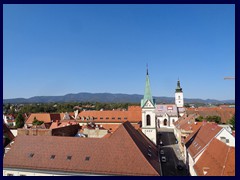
(227, 135)
(169, 120)
(19, 172)
(149, 130)
(179, 99)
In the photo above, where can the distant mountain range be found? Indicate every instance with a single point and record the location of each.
(107, 98)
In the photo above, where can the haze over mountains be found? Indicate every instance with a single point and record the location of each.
(106, 98)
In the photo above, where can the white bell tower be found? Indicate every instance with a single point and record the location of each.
(179, 96)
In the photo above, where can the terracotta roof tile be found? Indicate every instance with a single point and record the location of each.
(122, 153)
(197, 141)
(224, 113)
(216, 163)
(134, 114)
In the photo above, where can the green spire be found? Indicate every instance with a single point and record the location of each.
(178, 89)
(147, 93)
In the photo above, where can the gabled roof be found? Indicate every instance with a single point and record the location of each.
(224, 113)
(134, 114)
(40, 116)
(197, 141)
(188, 123)
(125, 152)
(45, 117)
(217, 160)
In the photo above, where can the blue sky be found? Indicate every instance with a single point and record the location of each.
(61, 49)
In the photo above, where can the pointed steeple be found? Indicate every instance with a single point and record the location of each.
(147, 93)
(178, 89)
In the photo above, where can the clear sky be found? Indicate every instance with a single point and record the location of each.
(61, 49)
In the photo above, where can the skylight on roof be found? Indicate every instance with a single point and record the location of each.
(87, 158)
(69, 157)
(52, 157)
(31, 155)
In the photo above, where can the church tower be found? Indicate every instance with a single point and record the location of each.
(148, 113)
(179, 96)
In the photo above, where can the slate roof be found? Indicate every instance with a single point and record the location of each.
(125, 152)
(217, 160)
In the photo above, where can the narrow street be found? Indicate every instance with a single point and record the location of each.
(174, 165)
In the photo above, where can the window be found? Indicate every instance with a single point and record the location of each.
(69, 158)
(107, 117)
(224, 139)
(23, 175)
(8, 174)
(148, 120)
(113, 117)
(87, 158)
(52, 157)
(125, 117)
(119, 118)
(178, 97)
(165, 122)
(101, 117)
(31, 155)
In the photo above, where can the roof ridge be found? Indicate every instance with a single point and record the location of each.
(224, 164)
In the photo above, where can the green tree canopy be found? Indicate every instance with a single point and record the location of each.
(232, 122)
(37, 122)
(216, 119)
(20, 121)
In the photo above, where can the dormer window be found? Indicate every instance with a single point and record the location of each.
(52, 157)
(69, 158)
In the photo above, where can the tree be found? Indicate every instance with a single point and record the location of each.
(232, 122)
(199, 119)
(37, 122)
(216, 119)
(20, 121)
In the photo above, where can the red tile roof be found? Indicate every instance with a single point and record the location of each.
(188, 123)
(216, 163)
(134, 114)
(45, 117)
(197, 141)
(224, 113)
(125, 152)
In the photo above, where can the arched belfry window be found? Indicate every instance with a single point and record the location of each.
(148, 120)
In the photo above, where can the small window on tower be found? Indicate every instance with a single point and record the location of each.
(148, 120)
(178, 97)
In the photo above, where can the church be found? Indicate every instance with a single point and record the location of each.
(155, 116)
